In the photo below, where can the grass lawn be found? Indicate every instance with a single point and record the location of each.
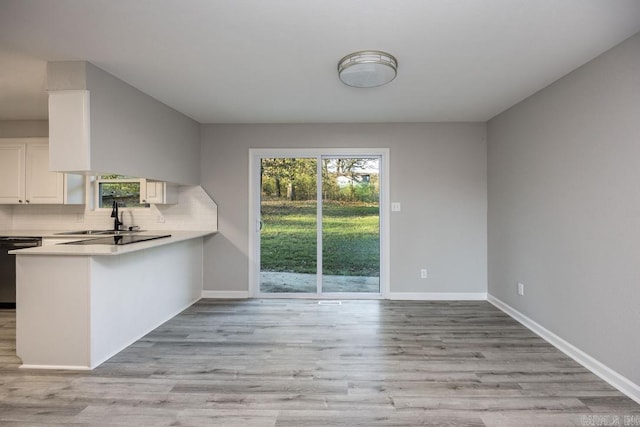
(350, 238)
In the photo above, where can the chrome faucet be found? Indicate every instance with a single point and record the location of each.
(114, 214)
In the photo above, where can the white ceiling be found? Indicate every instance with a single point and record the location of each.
(274, 61)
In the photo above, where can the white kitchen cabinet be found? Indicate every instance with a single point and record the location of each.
(25, 177)
(69, 130)
(158, 192)
(12, 175)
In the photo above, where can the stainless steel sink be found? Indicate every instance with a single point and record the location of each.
(100, 232)
(117, 240)
(71, 233)
(119, 232)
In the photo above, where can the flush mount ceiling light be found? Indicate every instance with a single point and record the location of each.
(367, 68)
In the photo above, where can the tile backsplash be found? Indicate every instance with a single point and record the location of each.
(6, 217)
(195, 211)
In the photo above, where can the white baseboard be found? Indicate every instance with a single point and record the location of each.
(57, 367)
(438, 296)
(225, 294)
(616, 380)
(418, 296)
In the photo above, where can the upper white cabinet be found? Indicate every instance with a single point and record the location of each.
(12, 175)
(158, 192)
(69, 130)
(25, 177)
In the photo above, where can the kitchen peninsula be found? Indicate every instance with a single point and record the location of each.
(78, 305)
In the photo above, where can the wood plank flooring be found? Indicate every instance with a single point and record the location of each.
(298, 363)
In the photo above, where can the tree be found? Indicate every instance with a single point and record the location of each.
(359, 170)
(297, 176)
(345, 167)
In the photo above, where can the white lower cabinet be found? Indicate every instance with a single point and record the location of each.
(25, 177)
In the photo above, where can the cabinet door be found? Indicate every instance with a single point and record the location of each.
(153, 192)
(12, 182)
(158, 192)
(43, 186)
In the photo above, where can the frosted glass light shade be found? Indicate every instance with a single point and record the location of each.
(369, 68)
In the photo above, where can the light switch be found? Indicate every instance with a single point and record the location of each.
(395, 207)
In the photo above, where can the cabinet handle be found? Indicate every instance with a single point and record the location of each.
(19, 201)
(27, 201)
(144, 201)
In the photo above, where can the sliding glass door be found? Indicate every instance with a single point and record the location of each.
(317, 224)
(288, 225)
(350, 224)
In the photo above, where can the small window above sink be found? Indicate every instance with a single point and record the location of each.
(125, 190)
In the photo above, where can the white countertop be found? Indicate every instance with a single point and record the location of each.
(31, 233)
(89, 250)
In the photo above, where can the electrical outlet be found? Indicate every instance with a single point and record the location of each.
(79, 217)
(520, 288)
(423, 273)
(160, 218)
(395, 207)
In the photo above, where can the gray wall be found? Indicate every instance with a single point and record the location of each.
(134, 134)
(131, 132)
(24, 128)
(437, 172)
(564, 207)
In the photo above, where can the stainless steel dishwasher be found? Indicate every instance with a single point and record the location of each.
(8, 267)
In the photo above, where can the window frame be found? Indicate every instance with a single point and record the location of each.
(97, 180)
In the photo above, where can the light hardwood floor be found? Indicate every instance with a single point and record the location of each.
(298, 363)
